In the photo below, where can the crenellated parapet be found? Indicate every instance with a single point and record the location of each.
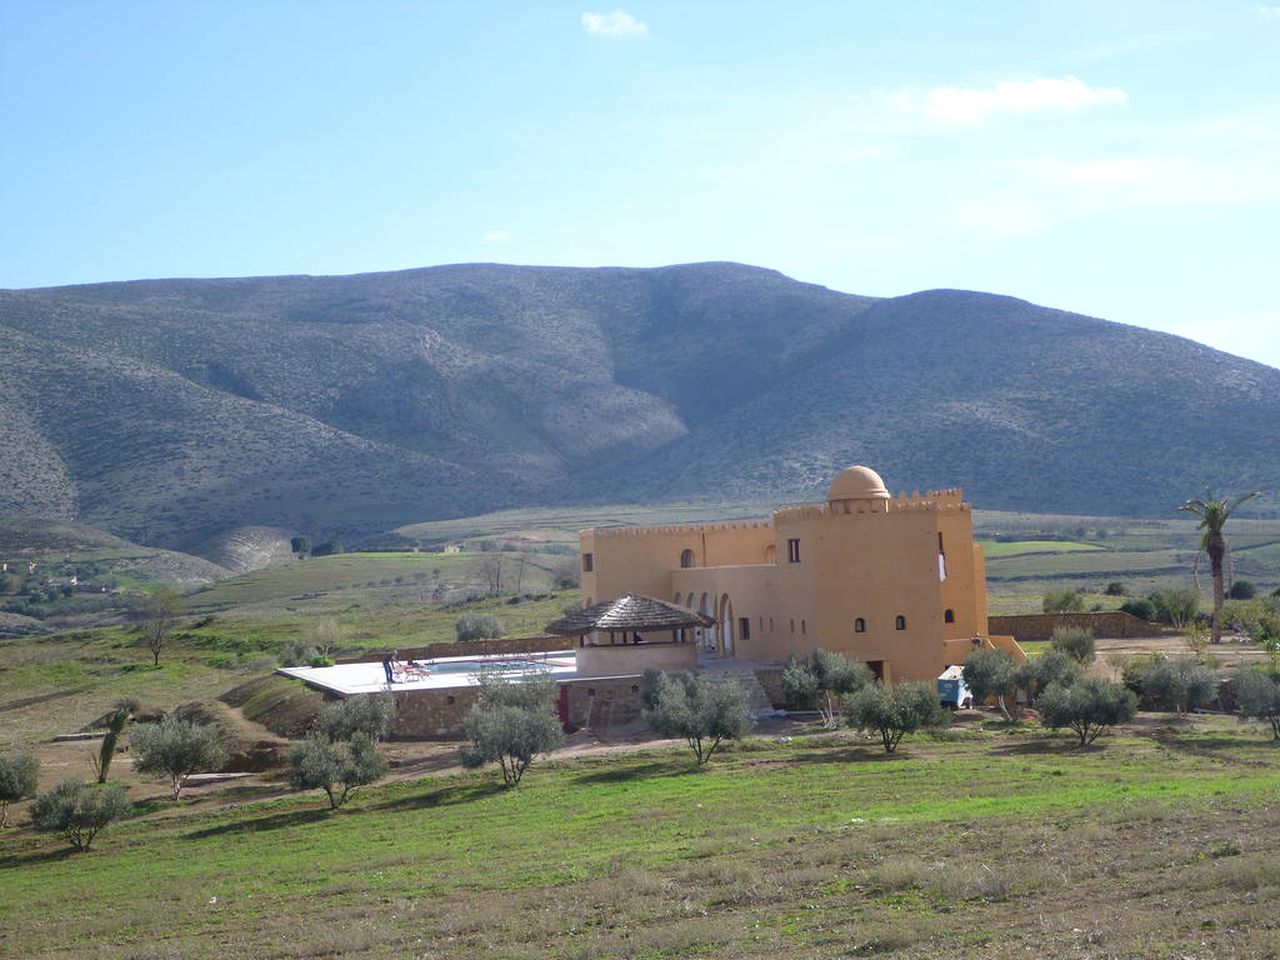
(682, 529)
(931, 501)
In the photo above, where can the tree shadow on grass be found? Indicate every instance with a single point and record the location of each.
(857, 753)
(277, 821)
(641, 771)
(19, 860)
(445, 796)
(1044, 746)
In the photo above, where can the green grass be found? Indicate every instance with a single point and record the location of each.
(1017, 548)
(773, 847)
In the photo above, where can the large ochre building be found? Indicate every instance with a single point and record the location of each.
(896, 582)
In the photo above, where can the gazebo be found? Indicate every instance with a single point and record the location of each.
(630, 618)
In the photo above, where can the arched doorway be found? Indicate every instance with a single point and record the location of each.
(710, 639)
(726, 626)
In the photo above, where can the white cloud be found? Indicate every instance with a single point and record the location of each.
(496, 236)
(1268, 11)
(1108, 171)
(968, 105)
(616, 24)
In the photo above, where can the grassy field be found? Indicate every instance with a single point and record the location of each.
(1006, 843)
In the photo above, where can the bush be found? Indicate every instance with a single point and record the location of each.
(19, 776)
(703, 713)
(337, 768)
(1259, 698)
(296, 653)
(1053, 666)
(1115, 589)
(511, 723)
(1076, 642)
(907, 708)
(371, 715)
(1175, 607)
(991, 673)
(78, 811)
(177, 749)
(799, 685)
(1258, 619)
(822, 680)
(477, 626)
(1087, 707)
(1142, 608)
(1178, 684)
(1063, 601)
(1242, 590)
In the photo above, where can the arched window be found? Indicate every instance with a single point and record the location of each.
(686, 558)
(679, 596)
(859, 625)
(900, 622)
(949, 616)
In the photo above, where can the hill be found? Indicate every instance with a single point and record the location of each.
(187, 413)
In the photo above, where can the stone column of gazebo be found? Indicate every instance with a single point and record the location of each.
(644, 634)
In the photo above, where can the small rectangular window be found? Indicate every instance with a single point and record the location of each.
(793, 551)
(588, 563)
(744, 627)
(802, 627)
(793, 626)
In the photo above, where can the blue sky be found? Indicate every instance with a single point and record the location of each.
(1116, 159)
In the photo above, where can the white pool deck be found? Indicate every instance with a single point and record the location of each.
(346, 679)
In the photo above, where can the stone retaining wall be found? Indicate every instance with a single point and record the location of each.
(1040, 626)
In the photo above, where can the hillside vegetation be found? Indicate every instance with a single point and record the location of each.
(177, 412)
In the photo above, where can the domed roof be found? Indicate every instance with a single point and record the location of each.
(857, 483)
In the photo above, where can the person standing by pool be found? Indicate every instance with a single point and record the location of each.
(387, 662)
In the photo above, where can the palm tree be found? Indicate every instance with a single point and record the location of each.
(1213, 512)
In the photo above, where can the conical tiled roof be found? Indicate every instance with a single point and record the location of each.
(632, 612)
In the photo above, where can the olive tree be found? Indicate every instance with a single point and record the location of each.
(19, 776)
(337, 767)
(176, 749)
(1179, 683)
(511, 723)
(1088, 707)
(371, 715)
(825, 678)
(1076, 642)
(704, 713)
(906, 708)
(991, 674)
(1040, 673)
(79, 811)
(1259, 698)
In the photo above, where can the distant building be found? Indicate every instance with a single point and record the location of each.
(896, 582)
(453, 548)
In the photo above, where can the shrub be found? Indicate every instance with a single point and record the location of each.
(1087, 707)
(19, 776)
(371, 715)
(1076, 642)
(799, 685)
(991, 673)
(1179, 684)
(78, 811)
(296, 653)
(1141, 607)
(703, 713)
(1063, 601)
(1175, 607)
(177, 749)
(337, 768)
(1053, 666)
(107, 752)
(1258, 619)
(511, 723)
(1115, 589)
(1242, 590)
(477, 626)
(823, 679)
(1259, 698)
(905, 709)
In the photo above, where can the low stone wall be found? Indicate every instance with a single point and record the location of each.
(472, 648)
(612, 660)
(599, 704)
(1040, 626)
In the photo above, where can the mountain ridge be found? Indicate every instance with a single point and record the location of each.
(174, 411)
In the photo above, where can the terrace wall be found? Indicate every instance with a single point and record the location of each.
(471, 648)
(1040, 626)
